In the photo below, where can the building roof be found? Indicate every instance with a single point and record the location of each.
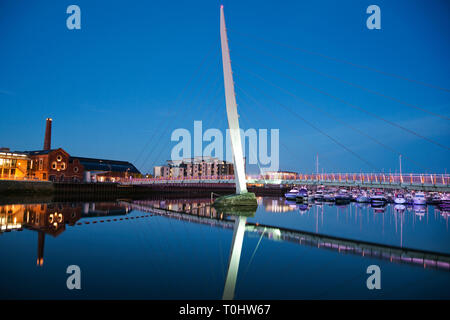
(92, 164)
(41, 152)
(37, 152)
(13, 154)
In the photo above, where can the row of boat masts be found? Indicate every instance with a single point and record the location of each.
(374, 196)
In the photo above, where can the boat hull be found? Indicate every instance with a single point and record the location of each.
(290, 196)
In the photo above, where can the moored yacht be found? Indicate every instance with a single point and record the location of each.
(318, 196)
(419, 198)
(409, 198)
(343, 196)
(435, 198)
(378, 198)
(399, 198)
(292, 194)
(302, 195)
(329, 197)
(362, 198)
(444, 205)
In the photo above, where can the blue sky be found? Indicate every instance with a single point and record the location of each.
(124, 78)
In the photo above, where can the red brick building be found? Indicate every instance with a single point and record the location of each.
(55, 165)
(58, 165)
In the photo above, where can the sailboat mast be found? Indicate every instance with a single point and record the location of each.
(232, 115)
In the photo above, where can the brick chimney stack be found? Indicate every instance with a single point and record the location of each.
(48, 134)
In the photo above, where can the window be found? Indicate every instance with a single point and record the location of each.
(59, 158)
(54, 165)
(63, 166)
(75, 169)
(41, 162)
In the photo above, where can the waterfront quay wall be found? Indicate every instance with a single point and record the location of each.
(114, 190)
(12, 187)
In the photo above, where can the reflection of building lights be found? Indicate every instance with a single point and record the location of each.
(11, 226)
(55, 218)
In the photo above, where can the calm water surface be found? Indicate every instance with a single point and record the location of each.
(129, 250)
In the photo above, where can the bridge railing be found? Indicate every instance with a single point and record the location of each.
(339, 178)
(200, 179)
(366, 178)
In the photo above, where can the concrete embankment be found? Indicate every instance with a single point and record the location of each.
(12, 187)
(63, 190)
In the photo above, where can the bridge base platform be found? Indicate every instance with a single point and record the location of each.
(237, 200)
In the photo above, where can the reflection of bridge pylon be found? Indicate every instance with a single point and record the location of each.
(235, 257)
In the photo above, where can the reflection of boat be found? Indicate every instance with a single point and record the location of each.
(419, 198)
(362, 204)
(290, 203)
(292, 194)
(378, 204)
(419, 210)
(302, 195)
(445, 214)
(399, 198)
(303, 208)
(378, 209)
(399, 207)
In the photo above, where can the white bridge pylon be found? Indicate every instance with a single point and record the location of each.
(232, 115)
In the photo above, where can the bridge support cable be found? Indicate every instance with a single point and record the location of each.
(275, 115)
(180, 114)
(355, 85)
(342, 61)
(253, 254)
(320, 131)
(205, 112)
(184, 116)
(331, 116)
(346, 103)
(261, 172)
(196, 73)
(312, 147)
